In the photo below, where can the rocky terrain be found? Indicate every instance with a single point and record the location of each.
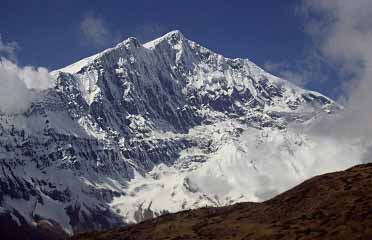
(331, 206)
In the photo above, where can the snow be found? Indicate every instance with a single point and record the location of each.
(242, 169)
(152, 44)
(76, 67)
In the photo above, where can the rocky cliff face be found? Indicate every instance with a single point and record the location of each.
(140, 130)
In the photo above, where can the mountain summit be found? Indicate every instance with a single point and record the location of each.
(137, 131)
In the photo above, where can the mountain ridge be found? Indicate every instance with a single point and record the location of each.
(174, 35)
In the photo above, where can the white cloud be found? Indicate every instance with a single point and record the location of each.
(95, 31)
(14, 95)
(19, 86)
(36, 78)
(342, 30)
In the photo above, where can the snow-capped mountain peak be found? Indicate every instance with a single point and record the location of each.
(174, 37)
(139, 130)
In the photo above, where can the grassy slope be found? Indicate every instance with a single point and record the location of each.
(331, 206)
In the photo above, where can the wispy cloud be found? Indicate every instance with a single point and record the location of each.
(286, 71)
(8, 49)
(95, 31)
(309, 70)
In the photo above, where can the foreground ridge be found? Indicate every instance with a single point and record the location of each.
(331, 206)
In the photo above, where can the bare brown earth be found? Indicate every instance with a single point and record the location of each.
(331, 206)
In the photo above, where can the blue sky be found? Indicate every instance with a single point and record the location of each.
(269, 32)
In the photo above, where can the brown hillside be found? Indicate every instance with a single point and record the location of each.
(331, 206)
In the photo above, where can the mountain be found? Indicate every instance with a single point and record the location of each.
(137, 131)
(331, 206)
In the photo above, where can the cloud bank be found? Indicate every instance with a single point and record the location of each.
(14, 95)
(342, 35)
(19, 86)
(343, 31)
